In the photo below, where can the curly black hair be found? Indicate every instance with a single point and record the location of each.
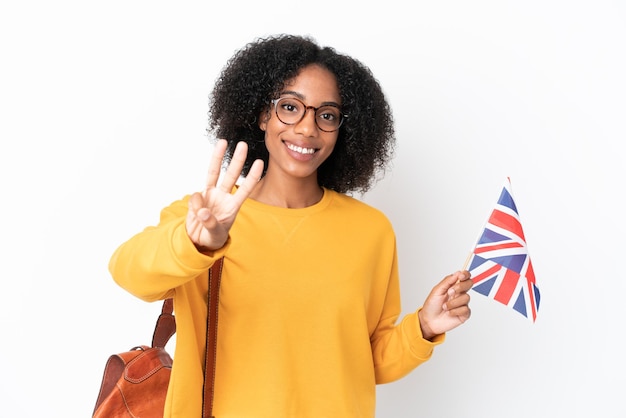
(258, 72)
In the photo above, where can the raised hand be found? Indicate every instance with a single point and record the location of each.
(447, 305)
(211, 213)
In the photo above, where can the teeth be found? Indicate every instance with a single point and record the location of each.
(300, 149)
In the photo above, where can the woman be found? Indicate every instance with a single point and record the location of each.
(309, 299)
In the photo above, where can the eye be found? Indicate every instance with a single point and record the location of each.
(290, 106)
(329, 113)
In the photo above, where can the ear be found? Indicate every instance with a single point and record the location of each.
(264, 117)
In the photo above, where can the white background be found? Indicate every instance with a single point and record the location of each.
(102, 123)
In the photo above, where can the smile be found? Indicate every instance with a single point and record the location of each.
(301, 150)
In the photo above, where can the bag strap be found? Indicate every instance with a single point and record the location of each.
(165, 326)
(215, 273)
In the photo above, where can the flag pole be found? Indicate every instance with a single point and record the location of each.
(469, 256)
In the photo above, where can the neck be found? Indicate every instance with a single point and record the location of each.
(294, 194)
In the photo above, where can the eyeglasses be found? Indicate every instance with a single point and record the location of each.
(290, 111)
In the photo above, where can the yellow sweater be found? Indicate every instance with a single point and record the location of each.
(309, 307)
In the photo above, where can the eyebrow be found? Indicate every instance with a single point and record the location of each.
(303, 98)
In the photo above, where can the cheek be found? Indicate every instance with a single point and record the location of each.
(273, 127)
(332, 142)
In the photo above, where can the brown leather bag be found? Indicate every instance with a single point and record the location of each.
(134, 384)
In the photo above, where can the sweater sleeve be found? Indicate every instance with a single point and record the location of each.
(398, 347)
(160, 258)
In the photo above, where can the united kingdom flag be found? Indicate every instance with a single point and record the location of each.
(500, 264)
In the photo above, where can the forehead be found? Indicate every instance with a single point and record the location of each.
(315, 84)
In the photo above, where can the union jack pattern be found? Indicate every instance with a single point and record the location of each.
(500, 264)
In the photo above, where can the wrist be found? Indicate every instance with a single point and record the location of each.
(202, 249)
(427, 332)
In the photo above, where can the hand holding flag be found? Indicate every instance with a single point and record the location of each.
(447, 305)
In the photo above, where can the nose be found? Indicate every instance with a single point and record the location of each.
(307, 125)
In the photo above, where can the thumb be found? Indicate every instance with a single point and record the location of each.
(443, 288)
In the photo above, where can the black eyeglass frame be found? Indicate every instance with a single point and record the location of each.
(306, 108)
